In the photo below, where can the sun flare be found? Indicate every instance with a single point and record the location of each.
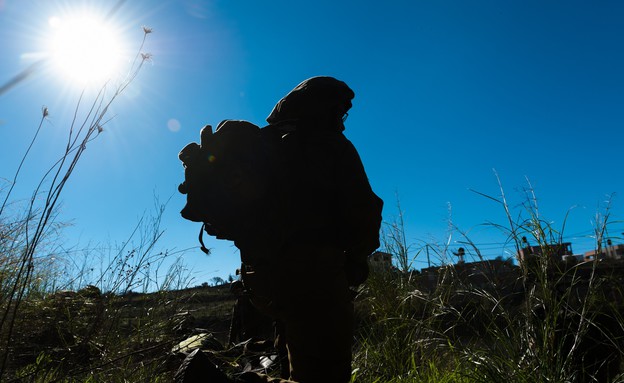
(85, 49)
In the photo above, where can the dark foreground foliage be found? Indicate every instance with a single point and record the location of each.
(82, 336)
(473, 322)
(491, 321)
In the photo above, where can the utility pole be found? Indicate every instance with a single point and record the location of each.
(427, 250)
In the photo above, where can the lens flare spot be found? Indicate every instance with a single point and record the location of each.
(174, 125)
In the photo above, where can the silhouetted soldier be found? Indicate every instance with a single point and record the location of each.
(314, 241)
(330, 225)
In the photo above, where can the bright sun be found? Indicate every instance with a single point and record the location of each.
(84, 49)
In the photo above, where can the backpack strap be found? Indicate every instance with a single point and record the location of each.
(201, 240)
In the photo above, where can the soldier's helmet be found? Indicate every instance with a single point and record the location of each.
(315, 98)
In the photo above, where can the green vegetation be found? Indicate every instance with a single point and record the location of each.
(92, 336)
(535, 319)
(544, 320)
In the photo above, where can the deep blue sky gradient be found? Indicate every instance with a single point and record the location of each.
(446, 91)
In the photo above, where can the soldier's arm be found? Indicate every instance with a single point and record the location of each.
(361, 208)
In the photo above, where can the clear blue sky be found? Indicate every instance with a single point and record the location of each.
(446, 91)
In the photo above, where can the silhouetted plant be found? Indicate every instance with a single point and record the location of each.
(546, 319)
(23, 238)
(395, 242)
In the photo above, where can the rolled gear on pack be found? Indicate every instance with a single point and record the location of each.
(229, 176)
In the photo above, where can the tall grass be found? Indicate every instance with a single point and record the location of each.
(530, 319)
(395, 242)
(86, 333)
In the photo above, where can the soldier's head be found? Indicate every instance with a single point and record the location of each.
(321, 100)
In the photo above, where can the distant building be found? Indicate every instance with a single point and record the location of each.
(557, 251)
(380, 261)
(482, 274)
(608, 252)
